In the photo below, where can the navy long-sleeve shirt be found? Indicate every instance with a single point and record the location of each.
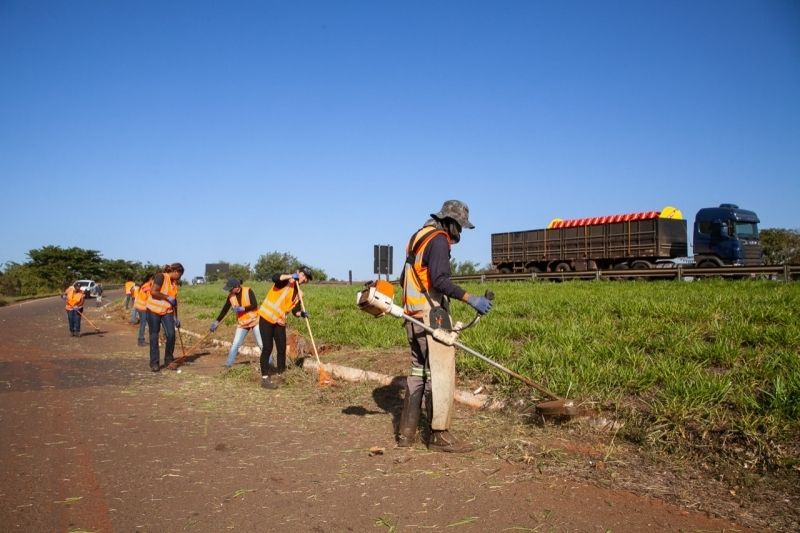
(252, 307)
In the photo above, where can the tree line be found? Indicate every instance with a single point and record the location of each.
(53, 268)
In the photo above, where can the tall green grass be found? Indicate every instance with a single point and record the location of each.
(706, 363)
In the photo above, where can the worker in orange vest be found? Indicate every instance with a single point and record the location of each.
(129, 283)
(141, 294)
(74, 297)
(427, 289)
(283, 298)
(162, 304)
(243, 302)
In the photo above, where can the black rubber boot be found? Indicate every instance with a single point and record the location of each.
(442, 441)
(409, 419)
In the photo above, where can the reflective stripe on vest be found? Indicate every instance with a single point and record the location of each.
(141, 296)
(162, 307)
(414, 299)
(278, 302)
(245, 319)
(74, 299)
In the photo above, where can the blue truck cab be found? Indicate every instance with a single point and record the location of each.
(726, 236)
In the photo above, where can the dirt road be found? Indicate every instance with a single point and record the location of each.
(92, 440)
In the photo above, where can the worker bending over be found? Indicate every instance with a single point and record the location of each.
(243, 302)
(162, 310)
(282, 298)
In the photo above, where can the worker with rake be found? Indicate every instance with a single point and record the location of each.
(282, 298)
(427, 289)
(74, 297)
(243, 302)
(162, 308)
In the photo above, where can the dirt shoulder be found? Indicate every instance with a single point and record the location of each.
(93, 440)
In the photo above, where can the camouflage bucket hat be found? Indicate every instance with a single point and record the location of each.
(456, 210)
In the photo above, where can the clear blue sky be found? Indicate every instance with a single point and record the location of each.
(200, 131)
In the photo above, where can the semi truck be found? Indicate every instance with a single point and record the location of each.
(722, 236)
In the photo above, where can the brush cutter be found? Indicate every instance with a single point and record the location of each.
(324, 377)
(89, 321)
(377, 300)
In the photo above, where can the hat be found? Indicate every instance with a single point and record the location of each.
(307, 271)
(231, 284)
(456, 210)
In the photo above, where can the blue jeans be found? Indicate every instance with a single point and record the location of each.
(127, 300)
(238, 339)
(74, 320)
(142, 323)
(134, 312)
(155, 322)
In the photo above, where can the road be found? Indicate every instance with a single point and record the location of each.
(93, 441)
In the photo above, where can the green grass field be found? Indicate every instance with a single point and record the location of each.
(710, 365)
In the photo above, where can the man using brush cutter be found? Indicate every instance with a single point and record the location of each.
(244, 304)
(282, 298)
(427, 289)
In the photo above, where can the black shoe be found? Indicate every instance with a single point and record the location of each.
(167, 363)
(141, 343)
(155, 368)
(267, 383)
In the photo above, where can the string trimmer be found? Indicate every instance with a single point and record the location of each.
(377, 300)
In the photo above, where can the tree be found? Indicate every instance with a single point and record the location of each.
(57, 267)
(781, 246)
(465, 268)
(273, 263)
(240, 271)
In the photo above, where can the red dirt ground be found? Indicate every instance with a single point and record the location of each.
(93, 441)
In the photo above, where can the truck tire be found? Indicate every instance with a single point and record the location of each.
(563, 267)
(533, 269)
(641, 265)
(505, 270)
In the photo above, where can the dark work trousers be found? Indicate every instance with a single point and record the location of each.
(154, 322)
(74, 320)
(272, 332)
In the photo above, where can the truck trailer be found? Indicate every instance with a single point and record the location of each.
(723, 236)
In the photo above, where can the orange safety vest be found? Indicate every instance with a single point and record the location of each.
(279, 302)
(75, 298)
(128, 285)
(245, 319)
(142, 293)
(162, 307)
(414, 300)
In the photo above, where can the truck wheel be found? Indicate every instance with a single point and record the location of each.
(505, 270)
(563, 267)
(531, 269)
(641, 265)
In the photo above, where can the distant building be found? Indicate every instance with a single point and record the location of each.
(215, 271)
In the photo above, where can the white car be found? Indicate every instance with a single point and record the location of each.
(198, 280)
(88, 286)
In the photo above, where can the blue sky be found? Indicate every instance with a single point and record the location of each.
(201, 131)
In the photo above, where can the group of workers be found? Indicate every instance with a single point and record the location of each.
(427, 291)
